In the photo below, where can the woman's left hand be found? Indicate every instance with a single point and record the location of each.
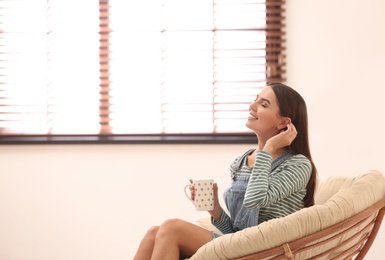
(283, 139)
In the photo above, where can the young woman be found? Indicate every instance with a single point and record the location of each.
(273, 180)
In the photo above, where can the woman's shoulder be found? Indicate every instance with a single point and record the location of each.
(296, 164)
(298, 159)
(237, 161)
(300, 156)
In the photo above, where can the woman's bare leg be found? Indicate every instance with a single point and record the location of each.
(147, 245)
(177, 239)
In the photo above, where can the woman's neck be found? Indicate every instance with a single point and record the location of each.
(275, 154)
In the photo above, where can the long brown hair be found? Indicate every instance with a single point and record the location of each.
(292, 105)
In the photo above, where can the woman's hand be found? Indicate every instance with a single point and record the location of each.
(283, 139)
(192, 190)
(216, 212)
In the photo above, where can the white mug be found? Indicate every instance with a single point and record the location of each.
(204, 194)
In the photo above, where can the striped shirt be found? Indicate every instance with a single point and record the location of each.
(276, 193)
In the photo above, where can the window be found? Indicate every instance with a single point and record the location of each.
(154, 70)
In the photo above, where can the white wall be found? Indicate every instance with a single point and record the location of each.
(336, 60)
(96, 201)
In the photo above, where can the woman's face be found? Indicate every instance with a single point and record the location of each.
(264, 118)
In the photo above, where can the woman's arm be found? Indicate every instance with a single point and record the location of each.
(265, 188)
(223, 223)
(219, 218)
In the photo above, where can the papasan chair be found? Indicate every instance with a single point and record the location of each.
(342, 224)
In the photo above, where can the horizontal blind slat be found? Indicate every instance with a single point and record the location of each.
(187, 72)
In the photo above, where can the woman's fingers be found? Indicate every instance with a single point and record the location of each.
(192, 191)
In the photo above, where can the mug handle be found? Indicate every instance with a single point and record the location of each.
(187, 195)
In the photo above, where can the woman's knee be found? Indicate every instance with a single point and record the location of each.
(152, 232)
(174, 223)
(186, 236)
(172, 227)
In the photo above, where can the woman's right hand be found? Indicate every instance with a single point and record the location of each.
(217, 211)
(215, 187)
(192, 190)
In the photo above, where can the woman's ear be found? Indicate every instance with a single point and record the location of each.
(284, 122)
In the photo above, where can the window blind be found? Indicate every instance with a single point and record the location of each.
(178, 67)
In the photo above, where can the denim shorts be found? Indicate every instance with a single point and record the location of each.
(215, 235)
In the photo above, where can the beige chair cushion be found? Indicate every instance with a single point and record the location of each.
(336, 199)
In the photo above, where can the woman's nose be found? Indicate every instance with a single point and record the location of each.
(252, 106)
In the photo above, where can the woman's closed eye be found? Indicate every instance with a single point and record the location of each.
(262, 103)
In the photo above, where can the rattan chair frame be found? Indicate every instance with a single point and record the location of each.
(368, 221)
